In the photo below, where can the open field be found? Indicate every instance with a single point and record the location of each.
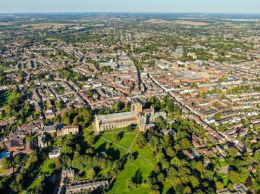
(183, 22)
(48, 165)
(139, 165)
(126, 138)
(42, 26)
(145, 152)
(51, 39)
(156, 21)
(111, 149)
(6, 23)
(222, 43)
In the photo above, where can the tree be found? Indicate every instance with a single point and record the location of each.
(33, 158)
(194, 181)
(118, 106)
(170, 152)
(77, 162)
(161, 178)
(8, 109)
(18, 159)
(141, 141)
(91, 174)
(6, 163)
(129, 128)
(199, 166)
(230, 187)
(187, 190)
(185, 144)
(130, 184)
(232, 152)
(53, 135)
(90, 140)
(234, 177)
(116, 137)
(175, 161)
(219, 185)
(131, 158)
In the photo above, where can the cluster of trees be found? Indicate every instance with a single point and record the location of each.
(29, 167)
(184, 176)
(68, 73)
(18, 107)
(116, 108)
(138, 64)
(78, 116)
(106, 69)
(3, 79)
(166, 105)
(85, 160)
(238, 89)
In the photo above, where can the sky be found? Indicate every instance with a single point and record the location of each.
(172, 6)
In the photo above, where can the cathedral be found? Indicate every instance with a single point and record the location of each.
(137, 116)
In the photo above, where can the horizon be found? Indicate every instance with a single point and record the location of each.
(134, 6)
(208, 13)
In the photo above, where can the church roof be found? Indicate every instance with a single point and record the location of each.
(117, 115)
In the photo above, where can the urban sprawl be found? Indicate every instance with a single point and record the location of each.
(129, 103)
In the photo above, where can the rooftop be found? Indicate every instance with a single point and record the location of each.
(117, 115)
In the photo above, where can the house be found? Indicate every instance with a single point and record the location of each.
(49, 114)
(15, 145)
(223, 191)
(68, 129)
(188, 154)
(50, 128)
(55, 153)
(68, 173)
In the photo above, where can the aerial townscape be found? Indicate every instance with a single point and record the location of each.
(123, 103)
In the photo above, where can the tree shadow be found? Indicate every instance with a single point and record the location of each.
(121, 134)
(170, 191)
(138, 177)
(135, 154)
(210, 166)
(115, 153)
(101, 148)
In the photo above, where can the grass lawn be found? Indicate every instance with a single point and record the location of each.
(145, 152)
(51, 39)
(167, 187)
(113, 150)
(223, 178)
(223, 163)
(46, 167)
(222, 43)
(5, 96)
(34, 184)
(120, 185)
(125, 141)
